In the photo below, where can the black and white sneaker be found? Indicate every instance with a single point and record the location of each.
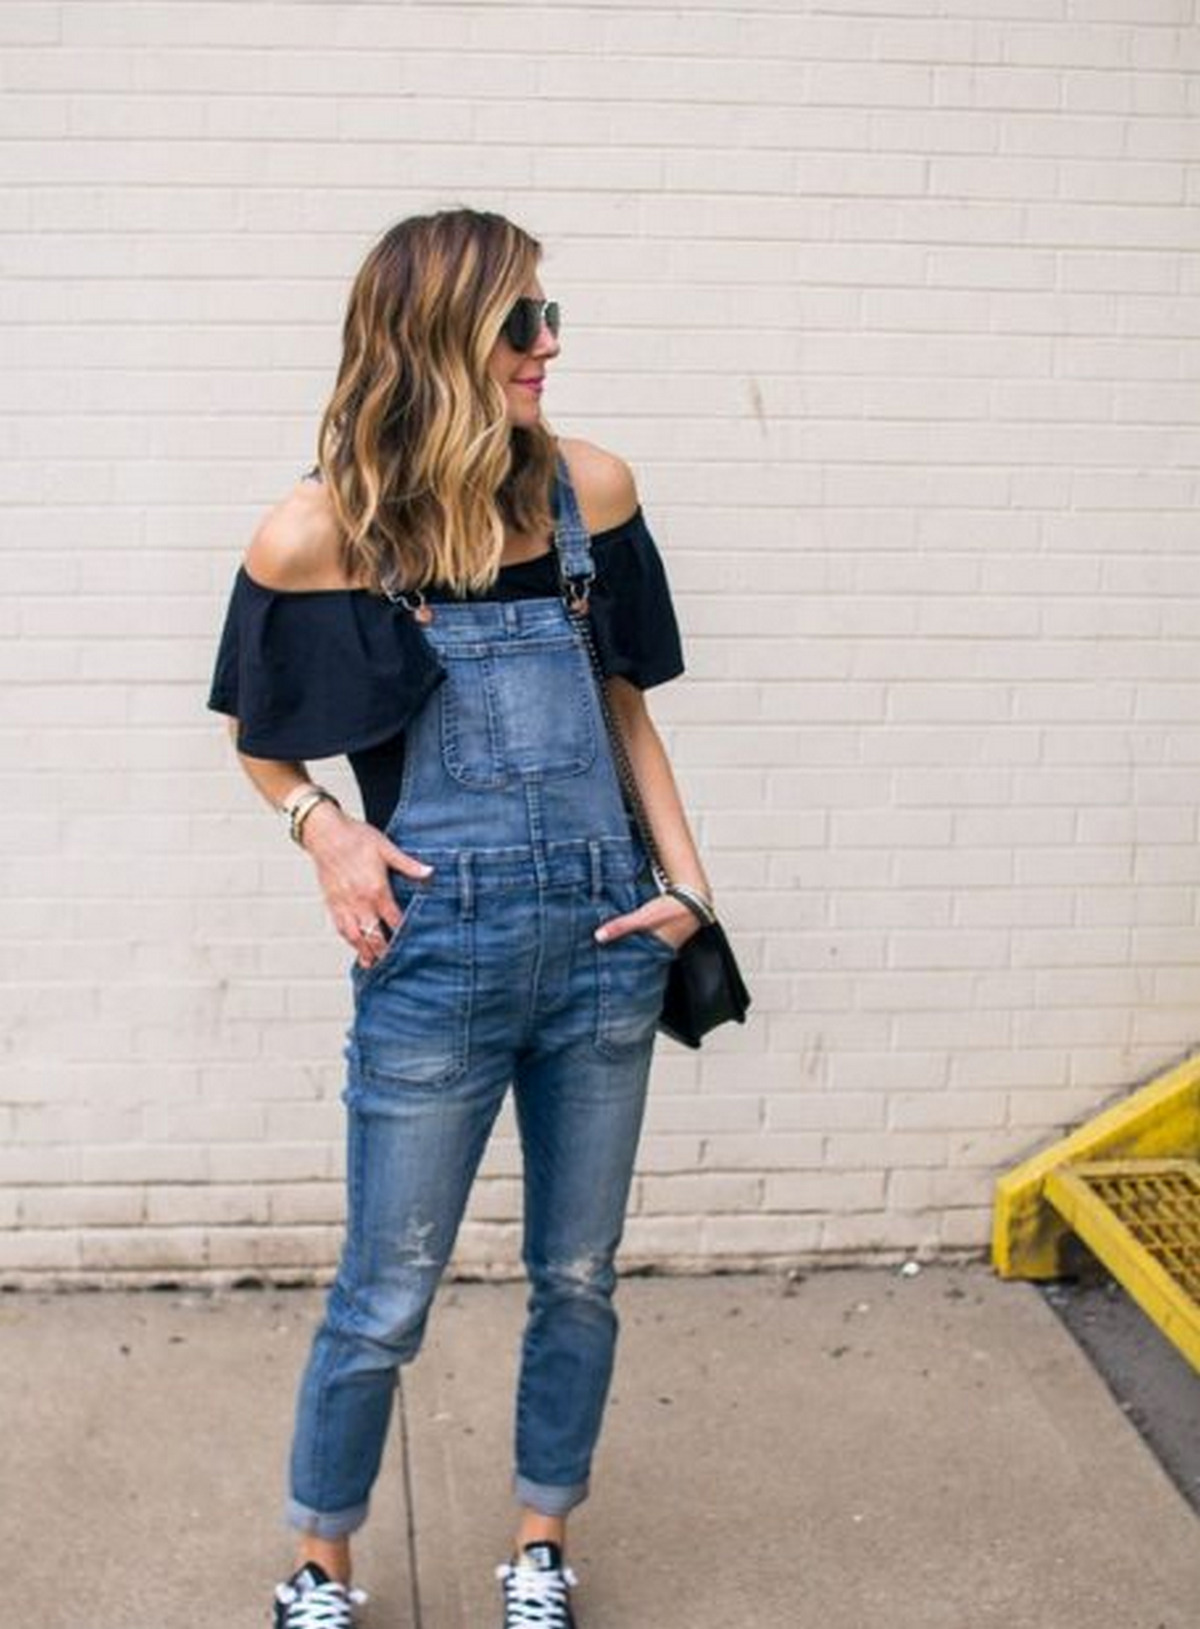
(535, 1588)
(311, 1599)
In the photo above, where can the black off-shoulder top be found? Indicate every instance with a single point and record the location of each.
(325, 673)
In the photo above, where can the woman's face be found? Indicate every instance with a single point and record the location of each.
(522, 374)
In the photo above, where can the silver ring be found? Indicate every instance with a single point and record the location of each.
(369, 929)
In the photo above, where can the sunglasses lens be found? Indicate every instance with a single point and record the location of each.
(524, 322)
(521, 325)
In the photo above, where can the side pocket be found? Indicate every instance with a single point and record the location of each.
(641, 893)
(412, 1019)
(409, 897)
(631, 975)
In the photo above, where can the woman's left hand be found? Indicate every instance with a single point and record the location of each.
(668, 919)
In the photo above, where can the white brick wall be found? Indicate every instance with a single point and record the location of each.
(894, 305)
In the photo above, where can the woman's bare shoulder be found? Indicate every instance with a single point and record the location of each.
(603, 483)
(296, 544)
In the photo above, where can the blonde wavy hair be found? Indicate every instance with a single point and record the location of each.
(422, 466)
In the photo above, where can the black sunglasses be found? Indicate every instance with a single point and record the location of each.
(524, 322)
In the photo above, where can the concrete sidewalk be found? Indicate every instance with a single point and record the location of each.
(851, 1450)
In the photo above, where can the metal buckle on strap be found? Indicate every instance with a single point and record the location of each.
(413, 601)
(576, 592)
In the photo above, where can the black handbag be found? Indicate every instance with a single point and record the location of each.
(704, 984)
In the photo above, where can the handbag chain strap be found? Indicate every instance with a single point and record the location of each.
(575, 597)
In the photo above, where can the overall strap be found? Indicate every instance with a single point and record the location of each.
(571, 540)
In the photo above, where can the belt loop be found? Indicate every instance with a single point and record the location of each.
(466, 885)
(596, 856)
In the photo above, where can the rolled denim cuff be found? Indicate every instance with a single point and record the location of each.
(326, 1525)
(549, 1500)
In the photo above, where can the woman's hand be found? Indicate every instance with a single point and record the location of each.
(352, 860)
(668, 919)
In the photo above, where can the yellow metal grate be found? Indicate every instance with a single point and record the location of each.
(1142, 1219)
(1160, 1121)
(1161, 1208)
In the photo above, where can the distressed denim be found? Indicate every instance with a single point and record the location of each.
(492, 979)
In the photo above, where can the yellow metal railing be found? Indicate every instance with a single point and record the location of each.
(1128, 1184)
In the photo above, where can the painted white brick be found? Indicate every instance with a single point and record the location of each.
(659, 1152)
(1166, 907)
(693, 1112)
(826, 1110)
(935, 1191)
(824, 1191)
(1056, 1107)
(1074, 1027)
(873, 1234)
(76, 1208)
(772, 1151)
(923, 478)
(989, 1150)
(687, 1195)
(1086, 947)
(494, 1199)
(141, 1162)
(759, 1237)
(890, 1069)
(273, 1162)
(884, 1150)
(968, 1228)
(306, 1203)
(277, 1251)
(1095, 1066)
(39, 1251)
(486, 1249)
(664, 1238)
(169, 1251)
(958, 1110)
(212, 1204)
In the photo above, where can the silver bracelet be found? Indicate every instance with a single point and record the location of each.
(693, 899)
(303, 807)
(286, 804)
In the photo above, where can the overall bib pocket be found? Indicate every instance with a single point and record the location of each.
(517, 712)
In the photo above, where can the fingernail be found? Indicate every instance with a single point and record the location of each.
(601, 934)
(426, 870)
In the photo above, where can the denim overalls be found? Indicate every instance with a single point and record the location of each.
(492, 978)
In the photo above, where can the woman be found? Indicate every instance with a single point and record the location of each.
(413, 604)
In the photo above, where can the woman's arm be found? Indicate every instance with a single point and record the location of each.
(656, 784)
(608, 497)
(668, 822)
(295, 549)
(273, 777)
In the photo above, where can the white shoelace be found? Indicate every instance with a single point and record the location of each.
(323, 1606)
(534, 1599)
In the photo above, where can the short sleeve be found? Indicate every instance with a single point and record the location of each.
(637, 634)
(318, 674)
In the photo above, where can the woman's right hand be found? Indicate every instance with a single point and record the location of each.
(352, 860)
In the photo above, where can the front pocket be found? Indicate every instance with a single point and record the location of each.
(519, 711)
(412, 1024)
(630, 895)
(409, 898)
(631, 975)
(659, 945)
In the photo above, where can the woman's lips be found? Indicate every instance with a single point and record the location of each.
(535, 385)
